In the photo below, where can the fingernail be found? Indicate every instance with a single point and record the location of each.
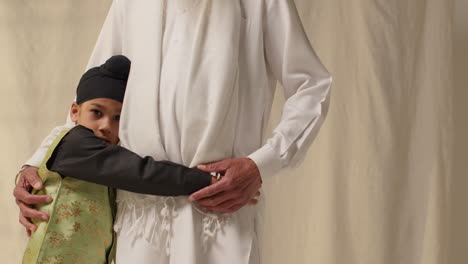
(49, 199)
(191, 198)
(44, 217)
(37, 185)
(201, 166)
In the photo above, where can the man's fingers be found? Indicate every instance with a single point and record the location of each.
(28, 225)
(31, 176)
(228, 204)
(229, 201)
(31, 213)
(217, 199)
(253, 201)
(24, 196)
(209, 190)
(236, 207)
(219, 166)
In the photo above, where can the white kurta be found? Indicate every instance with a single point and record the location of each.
(200, 90)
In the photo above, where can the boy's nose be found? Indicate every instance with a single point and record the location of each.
(105, 127)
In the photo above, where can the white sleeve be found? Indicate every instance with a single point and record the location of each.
(109, 43)
(306, 82)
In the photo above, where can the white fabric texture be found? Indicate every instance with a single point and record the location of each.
(201, 86)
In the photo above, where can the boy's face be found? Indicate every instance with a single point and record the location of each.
(101, 115)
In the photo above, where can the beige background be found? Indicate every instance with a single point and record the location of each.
(383, 183)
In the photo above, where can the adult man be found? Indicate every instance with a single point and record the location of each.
(207, 70)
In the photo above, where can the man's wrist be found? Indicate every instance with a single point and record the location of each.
(267, 161)
(255, 168)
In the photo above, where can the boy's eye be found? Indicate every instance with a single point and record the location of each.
(117, 118)
(96, 112)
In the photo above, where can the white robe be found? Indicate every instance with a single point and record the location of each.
(201, 87)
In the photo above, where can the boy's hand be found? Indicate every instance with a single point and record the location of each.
(213, 180)
(24, 199)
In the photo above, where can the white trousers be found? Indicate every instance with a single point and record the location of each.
(190, 236)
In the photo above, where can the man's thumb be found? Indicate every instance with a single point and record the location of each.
(33, 178)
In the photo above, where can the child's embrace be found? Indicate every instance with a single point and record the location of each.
(83, 161)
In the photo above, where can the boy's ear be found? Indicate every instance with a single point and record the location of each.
(74, 112)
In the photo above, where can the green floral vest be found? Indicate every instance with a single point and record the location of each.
(81, 216)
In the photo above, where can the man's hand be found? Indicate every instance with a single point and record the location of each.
(240, 183)
(24, 199)
(252, 201)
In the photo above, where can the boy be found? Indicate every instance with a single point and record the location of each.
(79, 229)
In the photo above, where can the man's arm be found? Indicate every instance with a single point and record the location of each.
(306, 83)
(84, 156)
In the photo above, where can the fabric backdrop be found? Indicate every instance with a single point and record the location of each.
(383, 183)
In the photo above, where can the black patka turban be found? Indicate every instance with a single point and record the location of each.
(106, 81)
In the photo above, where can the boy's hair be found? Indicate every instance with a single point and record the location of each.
(106, 81)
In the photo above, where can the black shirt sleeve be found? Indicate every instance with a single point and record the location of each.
(82, 155)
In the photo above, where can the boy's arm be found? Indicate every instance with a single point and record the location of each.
(84, 156)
